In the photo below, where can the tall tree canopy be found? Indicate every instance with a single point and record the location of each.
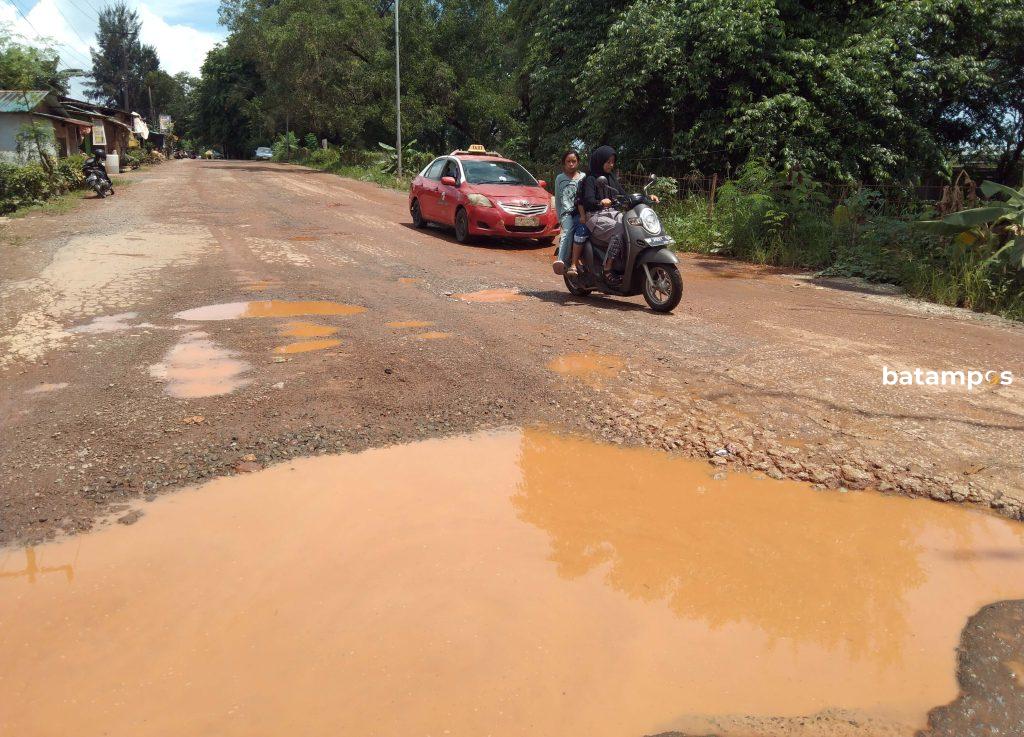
(873, 89)
(121, 61)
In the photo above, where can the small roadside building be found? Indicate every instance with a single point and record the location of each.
(19, 109)
(118, 125)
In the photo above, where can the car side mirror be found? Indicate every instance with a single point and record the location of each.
(542, 184)
(448, 181)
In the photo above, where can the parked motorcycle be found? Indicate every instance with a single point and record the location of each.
(651, 268)
(96, 177)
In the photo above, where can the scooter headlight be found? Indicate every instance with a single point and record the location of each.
(649, 219)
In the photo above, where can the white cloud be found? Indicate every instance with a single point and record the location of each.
(46, 24)
(181, 47)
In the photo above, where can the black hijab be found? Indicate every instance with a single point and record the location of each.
(591, 194)
(598, 159)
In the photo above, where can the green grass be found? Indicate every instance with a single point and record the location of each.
(58, 205)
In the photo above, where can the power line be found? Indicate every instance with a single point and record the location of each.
(70, 24)
(41, 36)
(79, 8)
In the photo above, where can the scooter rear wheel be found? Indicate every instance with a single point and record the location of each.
(573, 286)
(664, 289)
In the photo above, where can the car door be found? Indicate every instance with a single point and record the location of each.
(448, 196)
(429, 190)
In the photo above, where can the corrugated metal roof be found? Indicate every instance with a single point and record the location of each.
(20, 101)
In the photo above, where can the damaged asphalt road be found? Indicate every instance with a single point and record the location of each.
(216, 318)
(775, 373)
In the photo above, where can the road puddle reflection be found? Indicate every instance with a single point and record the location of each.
(198, 367)
(305, 346)
(491, 295)
(307, 330)
(267, 308)
(587, 365)
(549, 586)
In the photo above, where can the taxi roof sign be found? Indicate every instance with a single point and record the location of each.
(475, 150)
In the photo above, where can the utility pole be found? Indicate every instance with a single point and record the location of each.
(398, 96)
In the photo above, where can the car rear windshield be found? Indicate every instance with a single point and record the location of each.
(496, 172)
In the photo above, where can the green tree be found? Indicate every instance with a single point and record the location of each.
(229, 101)
(24, 67)
(121, 61)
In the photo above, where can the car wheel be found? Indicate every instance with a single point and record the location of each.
(462, 226)
(417, 216)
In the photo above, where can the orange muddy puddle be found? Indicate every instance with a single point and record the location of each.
(587, 365)
(410, 324)
(267, 308)
(305, 346)
(549, 586)
(409, 280)
(198, 367)
(433, 335)
(307, 330)
(491, 295)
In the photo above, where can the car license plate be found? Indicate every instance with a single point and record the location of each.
(527, 222)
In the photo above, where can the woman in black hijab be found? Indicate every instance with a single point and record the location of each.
(604, 222)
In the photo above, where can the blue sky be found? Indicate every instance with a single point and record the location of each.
(182, 31)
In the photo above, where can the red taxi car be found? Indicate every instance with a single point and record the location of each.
(481, 193)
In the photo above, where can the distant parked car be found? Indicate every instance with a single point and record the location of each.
(263, 153)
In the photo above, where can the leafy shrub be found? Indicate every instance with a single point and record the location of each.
(21, 186)
(412, 159)
(69, 170)
(285, 147)
(324, 158)
(133, 159)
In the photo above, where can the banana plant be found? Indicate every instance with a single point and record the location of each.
(998, 225)
(390, 164)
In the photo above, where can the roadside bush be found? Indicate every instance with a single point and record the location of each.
(133, 159)
(323, 158)
(70, 171)
(786, 219)
(286, 147)
(21, 186)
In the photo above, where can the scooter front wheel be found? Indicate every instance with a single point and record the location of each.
(665, 287)
(573, 285)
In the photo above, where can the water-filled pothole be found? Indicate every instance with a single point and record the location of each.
(197, 367)
(549, 586)
(306, 346)
(268, 308)
(587, 365)
(491, 295)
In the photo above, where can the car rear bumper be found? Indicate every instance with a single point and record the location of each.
(492, 221)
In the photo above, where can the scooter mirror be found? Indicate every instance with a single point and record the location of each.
(602, 180)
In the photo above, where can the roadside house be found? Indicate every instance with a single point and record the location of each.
(20, 108)
(118, 125)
